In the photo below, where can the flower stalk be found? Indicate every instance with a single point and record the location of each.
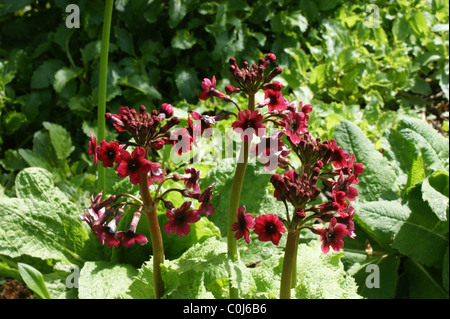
(155, 234)
(101, 182)
(289, 265)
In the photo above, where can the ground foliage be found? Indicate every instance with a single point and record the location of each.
(374, 88)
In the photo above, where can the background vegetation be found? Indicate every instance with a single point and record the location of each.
(373, 74)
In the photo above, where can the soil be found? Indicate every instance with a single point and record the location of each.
(13, 289)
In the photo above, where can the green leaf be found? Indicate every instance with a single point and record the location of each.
(12, 122)
(34, 280)
(187, 82)
(41, 223)
(141, 84)
(388, 265)
(44, 75)
(423, 283)
(103, 280)
(422, 236)
(418, 23)
(382, 220)
(183, 40)
(61, 140)
(63, 76)
(378, 179)
(435, 192)
(433, 147)
(443, 81)
(251, 196)
(177, 11)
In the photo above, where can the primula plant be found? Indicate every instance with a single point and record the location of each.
(150, 130)
(326, 171)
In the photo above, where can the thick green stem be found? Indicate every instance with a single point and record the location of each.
(236, 195)
(102, 86)
(155, 234)
(289, 264)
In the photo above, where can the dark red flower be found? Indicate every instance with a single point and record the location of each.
(179, 219)
(130, 237)
(275, 100)
(352, 168)
(109, 153)
(205, 201)
(269, 228)
(107, 233)
(338, 157)
(270, 149)
(181, 140)
(344, 185)
(332, 236)
(245, 221)
(249, 123)
(167, 109)
(295, 124)
(93, 148)
(133, 165)
(192, 177)
(209, 89)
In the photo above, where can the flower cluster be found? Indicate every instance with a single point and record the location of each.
(150, 130)
(325, 168)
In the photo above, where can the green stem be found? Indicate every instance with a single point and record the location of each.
(155, 234)
(235, 197)
(102, 85)
(289, 264)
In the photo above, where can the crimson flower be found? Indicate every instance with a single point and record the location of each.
(133, 165)
(338, 157)
(275, 100)
(179, 219)
(167, 109)
(130, 237)
(107, 233)
(352, 168)
(245, 221)
(191, 181)
(295, 123)
(343, 185)
(93, 148)
(209, 89)
(249, 123)
(332, 236)
(269, 228)
(269, 149)
(205, 201)
(181, 140)
(109, 153)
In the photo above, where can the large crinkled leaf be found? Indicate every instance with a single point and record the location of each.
(422, 236)
(433, 146)
(382, 219)
(423, 282)
(35, 228)
(204, 271)
(435, 192)
(379, 178)
(387, 268)
(105, 280)
(42, 222)
(37, 183)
